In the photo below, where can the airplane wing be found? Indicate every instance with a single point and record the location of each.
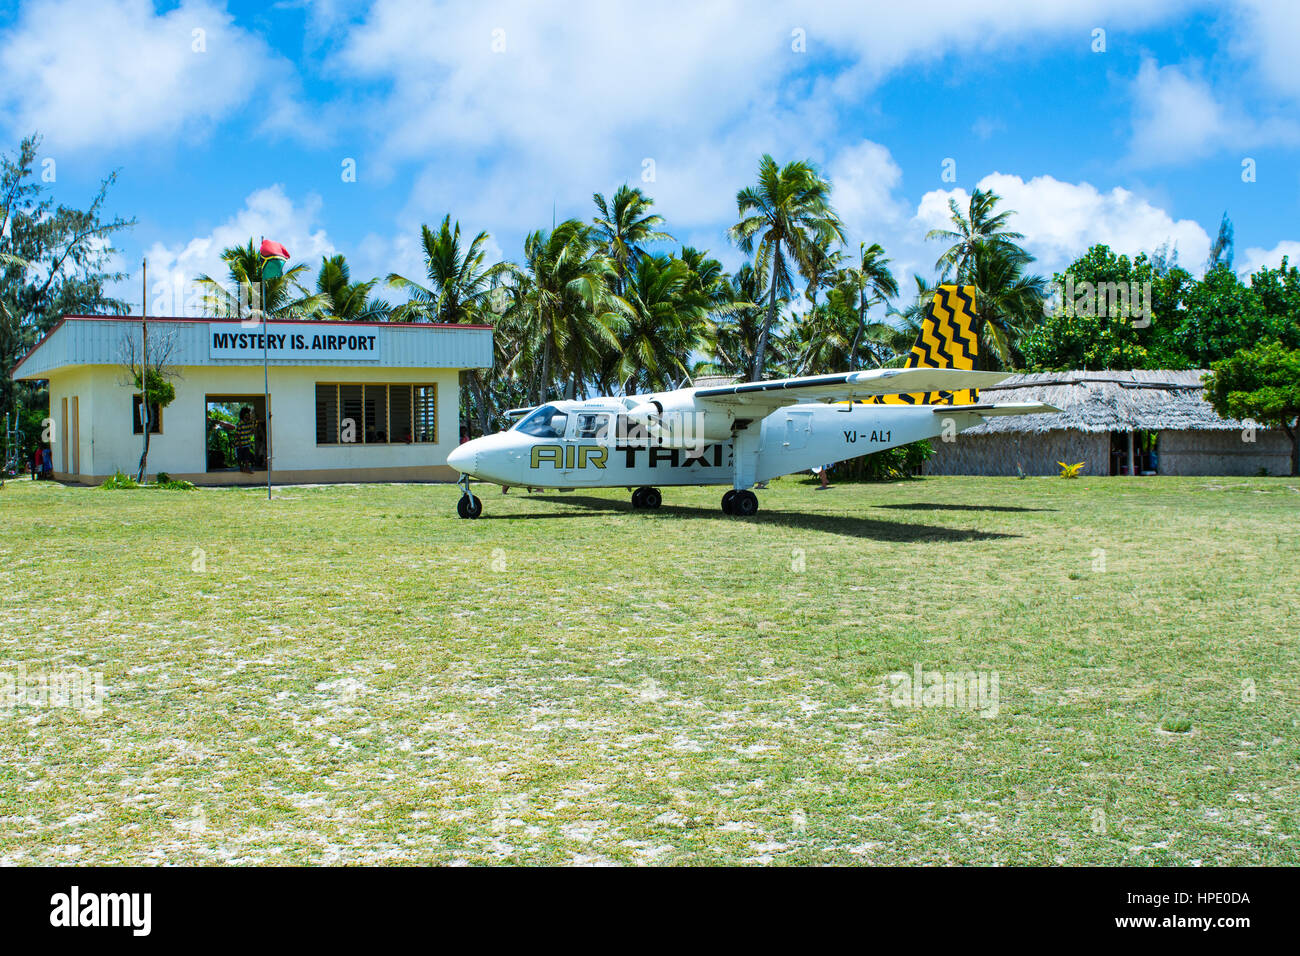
(763, 398)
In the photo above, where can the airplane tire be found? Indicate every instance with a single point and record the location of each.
(469, 506)
(744, 504)
(638, 498)
(652, 498)
(728, 500)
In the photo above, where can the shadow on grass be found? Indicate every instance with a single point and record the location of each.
(831, 524)
(937, 506)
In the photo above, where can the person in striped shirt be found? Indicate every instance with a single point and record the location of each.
(244, 440)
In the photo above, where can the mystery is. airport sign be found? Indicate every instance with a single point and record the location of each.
(317, 341)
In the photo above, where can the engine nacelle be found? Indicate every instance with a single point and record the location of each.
(674, 420)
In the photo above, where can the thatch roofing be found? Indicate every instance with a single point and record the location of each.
(1145, 400)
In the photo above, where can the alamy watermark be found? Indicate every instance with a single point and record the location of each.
(1130, 301)
(956, 690)
(74, 688)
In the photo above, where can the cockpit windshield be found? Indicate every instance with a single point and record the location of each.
(546, 422)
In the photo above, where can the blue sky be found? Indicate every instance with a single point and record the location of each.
(227, 119)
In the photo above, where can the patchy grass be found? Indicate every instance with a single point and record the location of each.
(352, 674)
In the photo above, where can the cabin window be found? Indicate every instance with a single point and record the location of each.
(375, 414)
(592, 425)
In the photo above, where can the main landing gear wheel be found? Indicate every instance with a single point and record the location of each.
(728, 500)
(744, 504)
(647, 497)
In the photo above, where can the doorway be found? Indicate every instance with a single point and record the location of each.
(75, 436)
(221, 416)
(1144, 453)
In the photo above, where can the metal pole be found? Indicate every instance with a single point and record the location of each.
(144, 367)
(266, 390)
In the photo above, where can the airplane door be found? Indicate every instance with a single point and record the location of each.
(587, 448)
(798, 429)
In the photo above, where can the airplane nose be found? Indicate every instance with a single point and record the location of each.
(462, 458)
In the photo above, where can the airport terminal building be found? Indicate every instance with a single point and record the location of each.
(349, 401)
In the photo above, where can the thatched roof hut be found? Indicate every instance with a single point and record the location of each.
(1156, 419)
(1139, 400)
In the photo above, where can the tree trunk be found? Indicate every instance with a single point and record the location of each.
(480, 399)
(546, 372)
(857, 338)
(144, 455)
(760, 349)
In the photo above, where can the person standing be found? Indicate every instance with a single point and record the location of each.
(244, 435)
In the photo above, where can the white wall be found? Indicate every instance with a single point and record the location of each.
(79, 384)
(108, 444)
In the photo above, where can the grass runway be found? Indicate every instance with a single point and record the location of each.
(352, 674)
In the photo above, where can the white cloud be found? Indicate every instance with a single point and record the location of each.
(268, 213)
(865, 179)
(107, 72)
(512, 106)
(1177, 117)
(1061, 220)
(1266, 40)
(1255, 258)
(571, 81)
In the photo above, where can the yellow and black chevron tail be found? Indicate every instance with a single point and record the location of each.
(947, 340)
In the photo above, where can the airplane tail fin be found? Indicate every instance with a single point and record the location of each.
(947, 340)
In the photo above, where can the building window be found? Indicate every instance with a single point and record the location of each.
(424, 413)
(327, 414)
(137, 417)
(374, 414)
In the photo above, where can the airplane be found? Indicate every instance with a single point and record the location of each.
(744, 434)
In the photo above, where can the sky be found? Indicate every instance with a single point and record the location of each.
(340, 126)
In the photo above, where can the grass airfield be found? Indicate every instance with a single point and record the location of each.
(352, 674)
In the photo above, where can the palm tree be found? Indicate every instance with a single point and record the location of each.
(708, 279)
(458, 290)
(561, 308)
(624, 224)
(978, 227)
(821, 339)
(666, 313)
(733, 332)
(864, 284)
(822, 269)
(787, 216)
(285, 296)
(1007, 300)
(984, 254)
(458, 282)
(345, 300)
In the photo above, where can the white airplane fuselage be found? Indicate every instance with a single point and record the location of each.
(791, 439)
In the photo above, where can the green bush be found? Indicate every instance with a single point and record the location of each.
(892, 464)
(121, 482)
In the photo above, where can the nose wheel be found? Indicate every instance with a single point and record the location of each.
(742, 504)
(647, 497)
(468, 506)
